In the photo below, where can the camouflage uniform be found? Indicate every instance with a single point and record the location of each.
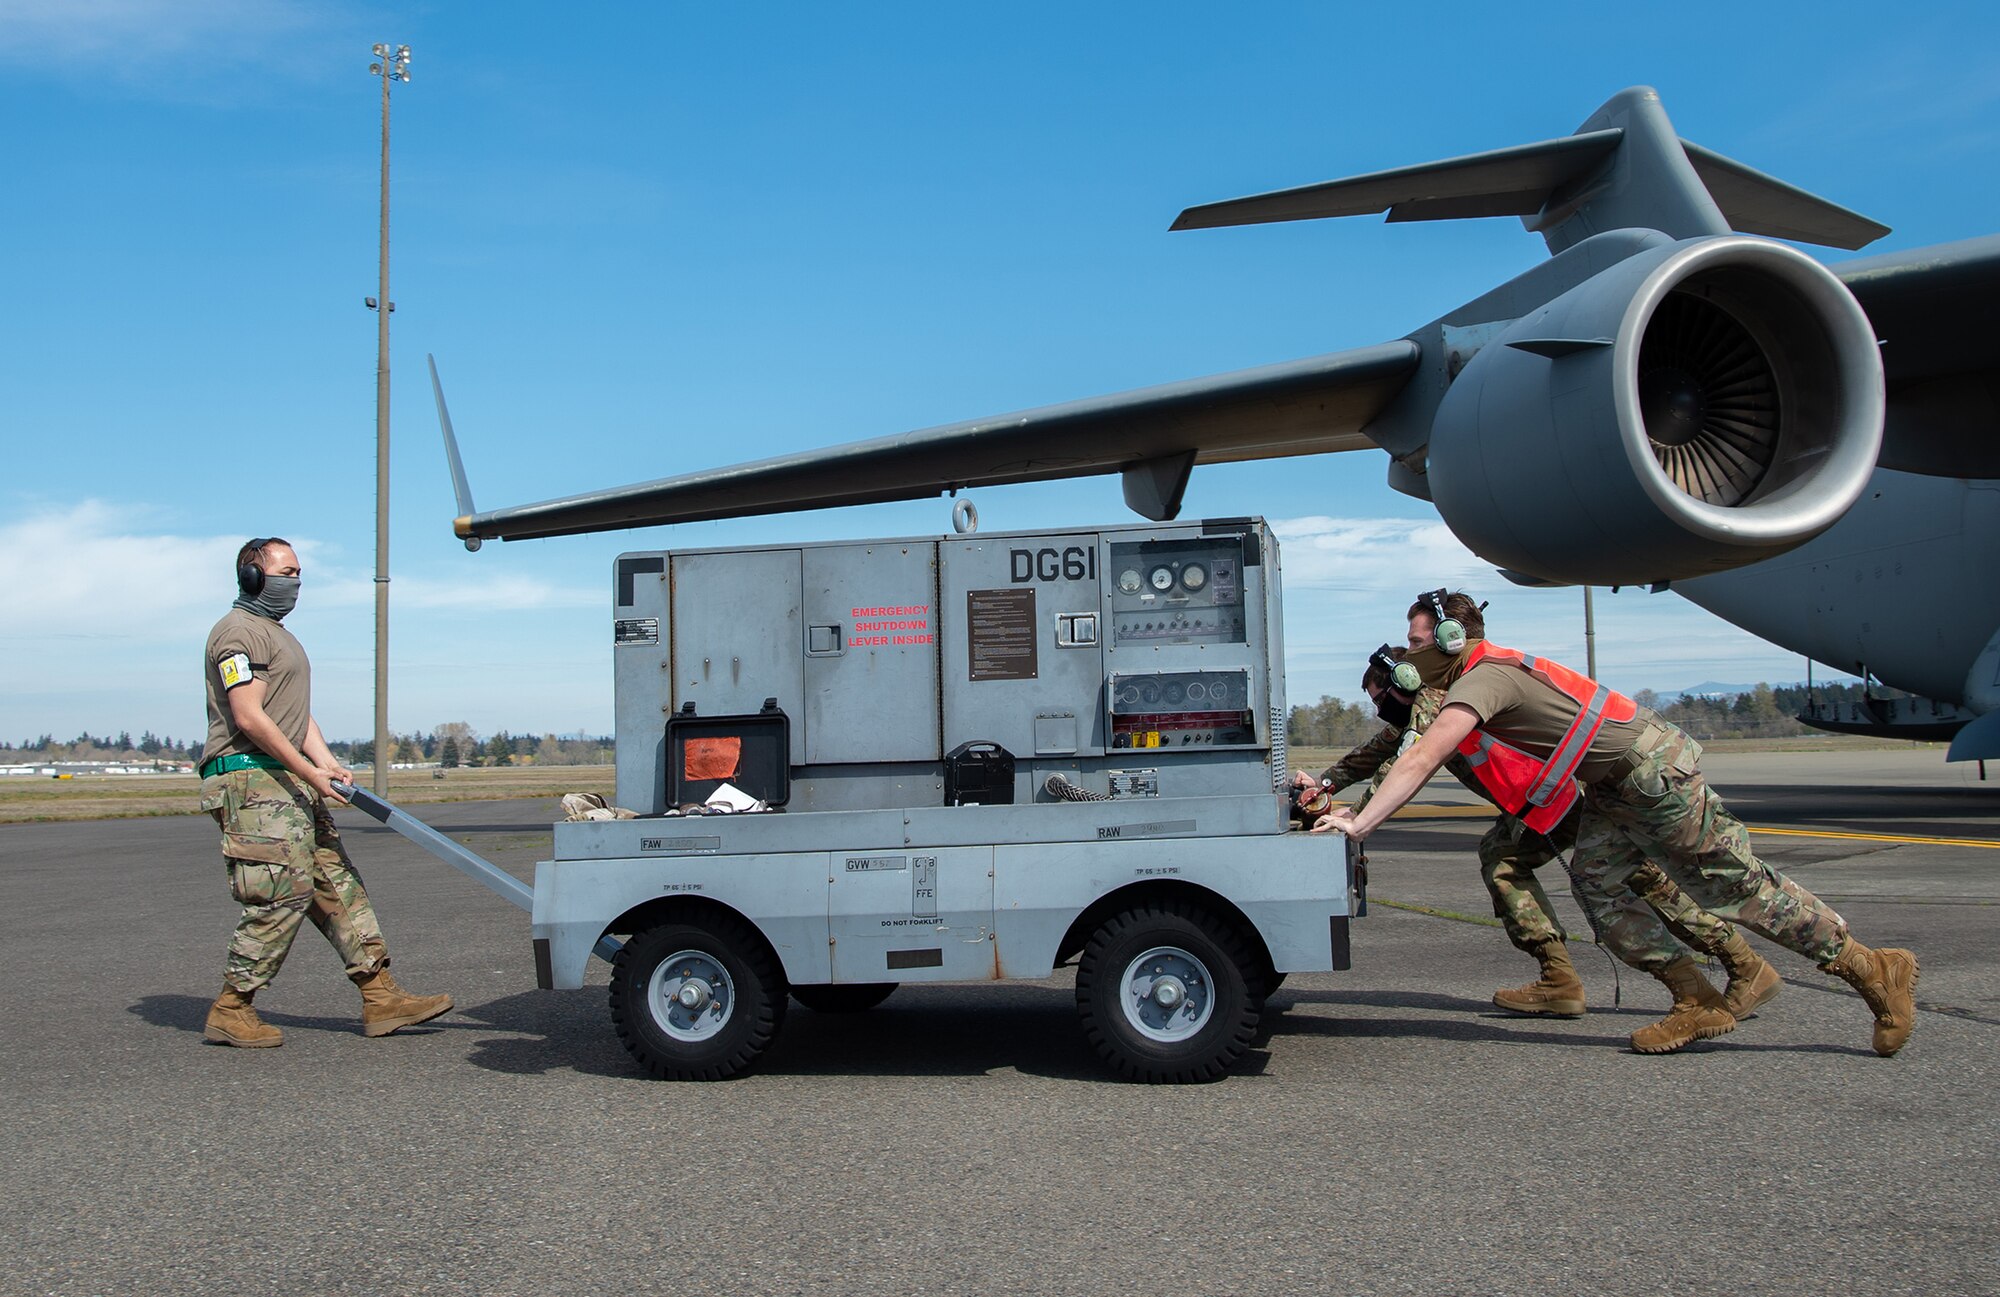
(1510, 852)
(285, 862)
(1663, 813)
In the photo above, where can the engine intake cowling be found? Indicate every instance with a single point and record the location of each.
(1696, 407)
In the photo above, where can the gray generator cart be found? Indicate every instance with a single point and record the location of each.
(986, 756)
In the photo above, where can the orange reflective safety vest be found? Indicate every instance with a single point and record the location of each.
(1541, 791)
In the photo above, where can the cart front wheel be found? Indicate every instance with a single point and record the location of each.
(1169, 993)
(696, 999)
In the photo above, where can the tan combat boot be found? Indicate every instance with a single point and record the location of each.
(387, 1007)
(1557, 993)
(1752, 980)
(1698, 1013)
(1887, 979)
(231, 1021)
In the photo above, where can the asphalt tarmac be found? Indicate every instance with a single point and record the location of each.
(1393, 1133)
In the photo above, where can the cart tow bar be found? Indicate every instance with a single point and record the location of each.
(455, 855)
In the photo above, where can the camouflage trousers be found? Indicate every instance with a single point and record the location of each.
(1511, 852)
(286, 863)
(1664, 816)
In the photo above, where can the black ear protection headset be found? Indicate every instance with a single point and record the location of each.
(1450, 634)
(1402, 675)
(249, 576)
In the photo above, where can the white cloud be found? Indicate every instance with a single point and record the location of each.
(1349, 581)
(102, 617)
(84, 572)
(129, 35)
(90, 571)
(103, 614)
(1376, 554)
(340, 588)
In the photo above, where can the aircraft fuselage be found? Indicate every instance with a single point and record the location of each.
(1903, 587)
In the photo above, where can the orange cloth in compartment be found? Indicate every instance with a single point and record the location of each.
(711, 758)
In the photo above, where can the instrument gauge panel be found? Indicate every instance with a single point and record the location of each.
(1186, 591)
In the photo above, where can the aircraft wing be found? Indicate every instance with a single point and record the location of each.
(1153, 436)
(1937, 312)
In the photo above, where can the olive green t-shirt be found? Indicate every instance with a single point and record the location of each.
(1524, 711)
(244, 647)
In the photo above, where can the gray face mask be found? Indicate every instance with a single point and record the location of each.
(278, 597)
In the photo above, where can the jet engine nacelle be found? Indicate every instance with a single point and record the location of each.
(1698, 406)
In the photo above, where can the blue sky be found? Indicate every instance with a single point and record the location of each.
(642, 239)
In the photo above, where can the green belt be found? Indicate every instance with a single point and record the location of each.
(241, 761)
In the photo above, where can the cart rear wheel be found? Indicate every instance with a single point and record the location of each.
(1169, 993)
(854, 997)
(696, 998)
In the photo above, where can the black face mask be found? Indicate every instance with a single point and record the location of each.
(1393, 708)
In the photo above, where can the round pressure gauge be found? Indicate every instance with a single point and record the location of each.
(1194, 576)
(1162, 578)
(1128, 580)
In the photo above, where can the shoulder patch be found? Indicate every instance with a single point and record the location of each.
(235, 670)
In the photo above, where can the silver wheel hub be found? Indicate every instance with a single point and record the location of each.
(690, 995)
(1167, 994)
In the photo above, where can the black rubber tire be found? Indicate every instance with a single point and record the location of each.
(753, 1021)
(1235, 974)
(853, 997)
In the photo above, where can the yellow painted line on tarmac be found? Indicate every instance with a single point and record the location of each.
(1912, 839)
(1440, 811)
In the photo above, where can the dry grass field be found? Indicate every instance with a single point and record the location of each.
(1318, 759)
(96, 797)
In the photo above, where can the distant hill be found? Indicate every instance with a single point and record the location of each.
(1716, 689)
(1706, 689)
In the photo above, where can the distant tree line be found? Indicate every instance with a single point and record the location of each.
(452, 744)
(1331, 723)
(91, 747)
(456, 745)
(1762, 712)
(1765, 711)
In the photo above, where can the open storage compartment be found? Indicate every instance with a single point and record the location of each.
(751, 751)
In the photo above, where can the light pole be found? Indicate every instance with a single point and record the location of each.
(389, 67)
(1589, 636)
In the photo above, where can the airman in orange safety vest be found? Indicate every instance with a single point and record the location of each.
(1550, 736)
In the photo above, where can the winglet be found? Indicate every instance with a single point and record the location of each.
(1624, 168)
(1505, 182)
(1756, 203)
(462, 525)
